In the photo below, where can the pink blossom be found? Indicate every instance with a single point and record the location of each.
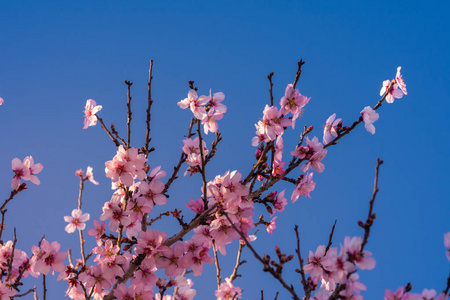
(447, 244)
(369, 117)
(271, 225)
(46, 258)
(314, 265)
(215, 100)
(91, 108)
(393, 93)
(305, 186)
(90, 175)
(330, 128)
(400, 82)
(34, 169)
(21, 171)
(227, 291)
(280, 202)
(1, 101)
(293, 102)
(6, 292)
(76, 221)
(209, 121)
(196, 206)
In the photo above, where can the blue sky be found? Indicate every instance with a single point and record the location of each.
(56, 55)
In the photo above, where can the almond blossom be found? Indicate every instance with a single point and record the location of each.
(90, 110)
(76, 221)
(330, 128)
(1, 101)
(369, 116)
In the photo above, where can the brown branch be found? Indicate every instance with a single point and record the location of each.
(26, 293)
(269, 76)
(202, 169)
(135, 263)
(234, 275)
(11, 259)
(80, 194)
(330, 240)
(448, 285)
(107, 131)
(114, 131)
(176, 169)
(301, 271)
(44, 287)
(371, 216)
(129, 84)
(265, 262)
(150, 102)
(299, 72)
(216, 259)
(11, 196)
(2, 225)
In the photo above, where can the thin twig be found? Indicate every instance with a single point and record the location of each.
(448, 285)
(301, 271)
(114, 131)
(129, 84)
(44, 287)
(330, 240)
(107, 131)
(266, 266)
(11, 260)
(150, 102)
(299, 72)
(202, 169)
(234, 275)
(269, 76)
(371, 216)
(182, 160)
(2, 225)
(26, 293)
(216, 259)
(80, 194)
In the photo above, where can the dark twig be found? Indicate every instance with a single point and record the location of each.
(202, 169)
(26, 293)
(234, 275)
(2, 225)
(216, 259)
(107, 131)
(150, 102)
(114, 131)
(330, 240)
(80, 194)
(11, 259)
(269, 76)
(176, 169)
(44, 287)
(448, 285)
(371, 216)
(301, 271)
(299, 72)
(129, 84)
(265, 262)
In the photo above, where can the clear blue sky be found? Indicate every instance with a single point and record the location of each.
(55, 55)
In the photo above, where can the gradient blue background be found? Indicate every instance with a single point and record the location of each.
(55, 55)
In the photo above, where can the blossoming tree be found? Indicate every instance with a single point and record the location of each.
(134, 260)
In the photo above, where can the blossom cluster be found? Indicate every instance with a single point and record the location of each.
(129, 248)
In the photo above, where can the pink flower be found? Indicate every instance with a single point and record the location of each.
(369, 117)
(330, 129)
(447, 244)
(400, 82)
(271, 226)
(90, 175)
(215, 100)
(209, 121)
(228, 291)
(305, 186)
(91, 108)
(394, 93)
(76, 221)
(1, 101)
(21, 171)
(293, 102)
